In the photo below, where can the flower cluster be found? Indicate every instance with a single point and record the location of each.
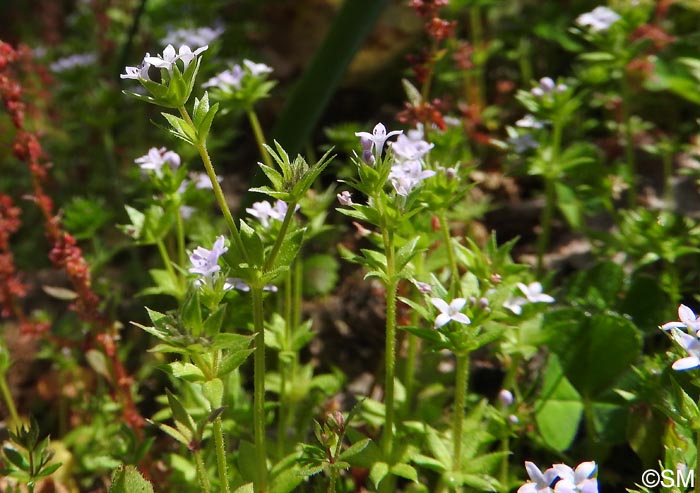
(547, 87)
(533, 294)
(165, 61)
(232, 79)
(690, 342)
(71, 62)
(264, 211)
(200, 36)
(156, 159)
(373, 143)
(561, 478)
(407, 172)
(599, 19)
(451, 311)
(205, 262)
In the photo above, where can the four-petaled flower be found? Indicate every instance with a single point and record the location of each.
(378, 137)
(540, 482)
(170, 57)
(228, 80)
(257, 69)
(687, 318)
(139, 72)
(450, 312)
(578, 480)
(265, 211)
(598, 19)
(345, 198)
(156, 158)
(691, 344)
(533, 294)
(206, 262)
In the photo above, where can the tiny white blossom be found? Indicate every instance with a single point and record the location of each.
(539, 482)
(533, 294)
(522, 143)
(687, 318)
(599, 19)
(170, 57)
(691, 344)
(257, 69)
(579, 480)
(264, 211)
(240, 285)
(422, 287)
(228, 80)
(547, 86)
(405, 176)
(156, 159)
(505, 397)
(199, 36)
(202, 182)
(450, 312)
(73, 61)
(187, 55)
(378, 137)
(529, 121)
(206, 262)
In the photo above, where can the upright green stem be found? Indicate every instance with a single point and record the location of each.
(270, 260)
(629, 143)
(218, 192)
(259, 137)
(260, 483)
(165, 256)
(549, 197)
(221, 455)
(202, 476)
(458, 416)
(696, 480)
(477, 39)
(447, 239)
(390, 346)
(180, 232)
(9, 402)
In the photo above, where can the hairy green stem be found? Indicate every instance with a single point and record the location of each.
(390, 346)
(270, 260)
(696, 480)
(447, 239)
(458, 416)
(202, 476)
(180, 233)
(221, 455)
(9, 402)
(259, 137)
(165, 256)
(260, 483)
(218, 192)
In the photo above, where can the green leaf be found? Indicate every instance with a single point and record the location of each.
(16, 458)
(186, 371)
(213, 390)
(354, 449)
(559, 409)
(233, 360)
(213, 323)
(183, 420)
(192, 314)
(289, 249)
(405, 471)
(127, 479)
(320, 274)
(378, 472)
(253, 245)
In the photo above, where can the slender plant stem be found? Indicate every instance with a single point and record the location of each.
(549, 197)
(390, 346)
(334, 479)
(259, 137)
(477, 38)
(221, 455)
(458, 416)
(202, 476)
(283, 367)
(260, 483)
(270, 260)
(696, 480)
(166, 261)
(629, 143)
(9, 402)
(447, 239)
(218, 192)
(180, 232)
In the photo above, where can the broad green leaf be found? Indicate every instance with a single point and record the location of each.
(127, 479)
(378, 472)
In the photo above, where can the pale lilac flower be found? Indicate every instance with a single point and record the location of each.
(257, 69)
(187, 55)
(513, 419)
(170, 57)
(547, 86)
(406, 148)
(450, 312)
(505, 397)
(156, 159)
(198, 36)
(206, 262)
(378, 137)
(264, 211)
(405, 176)
(228, 80)
(533, 294)
(691, 344)
(186, 211)
(422, 287)
(529, 121)
(345, 198)
(522, 143)
(73, 61)
(539, 482)
(687, 318)
(139, 72)
(599, 19)
(202, 182)
(576, 481)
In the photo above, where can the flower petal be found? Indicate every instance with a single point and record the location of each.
(441, 320)
(457, 304)
(686, 363)
(461, 318)
(440, 304)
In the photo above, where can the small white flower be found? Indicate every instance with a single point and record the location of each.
(199, 36)
(599, 19)
(522, 143)
(206, 262)
(264, 211)
(202, 182)
(576, 481)
(345, 198)
(405, 176)
(687, 318)
(187, 55)
(257, 69)
(422, 287)
(240, 285)
(228, 80)
(691, 344)
(378, 137)
(529, 121)
(73, 61)
(170, 57)
(156, 159)
(547, 86)
(539, 482)
(450, 312)
(533, 294)
(411, 147)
